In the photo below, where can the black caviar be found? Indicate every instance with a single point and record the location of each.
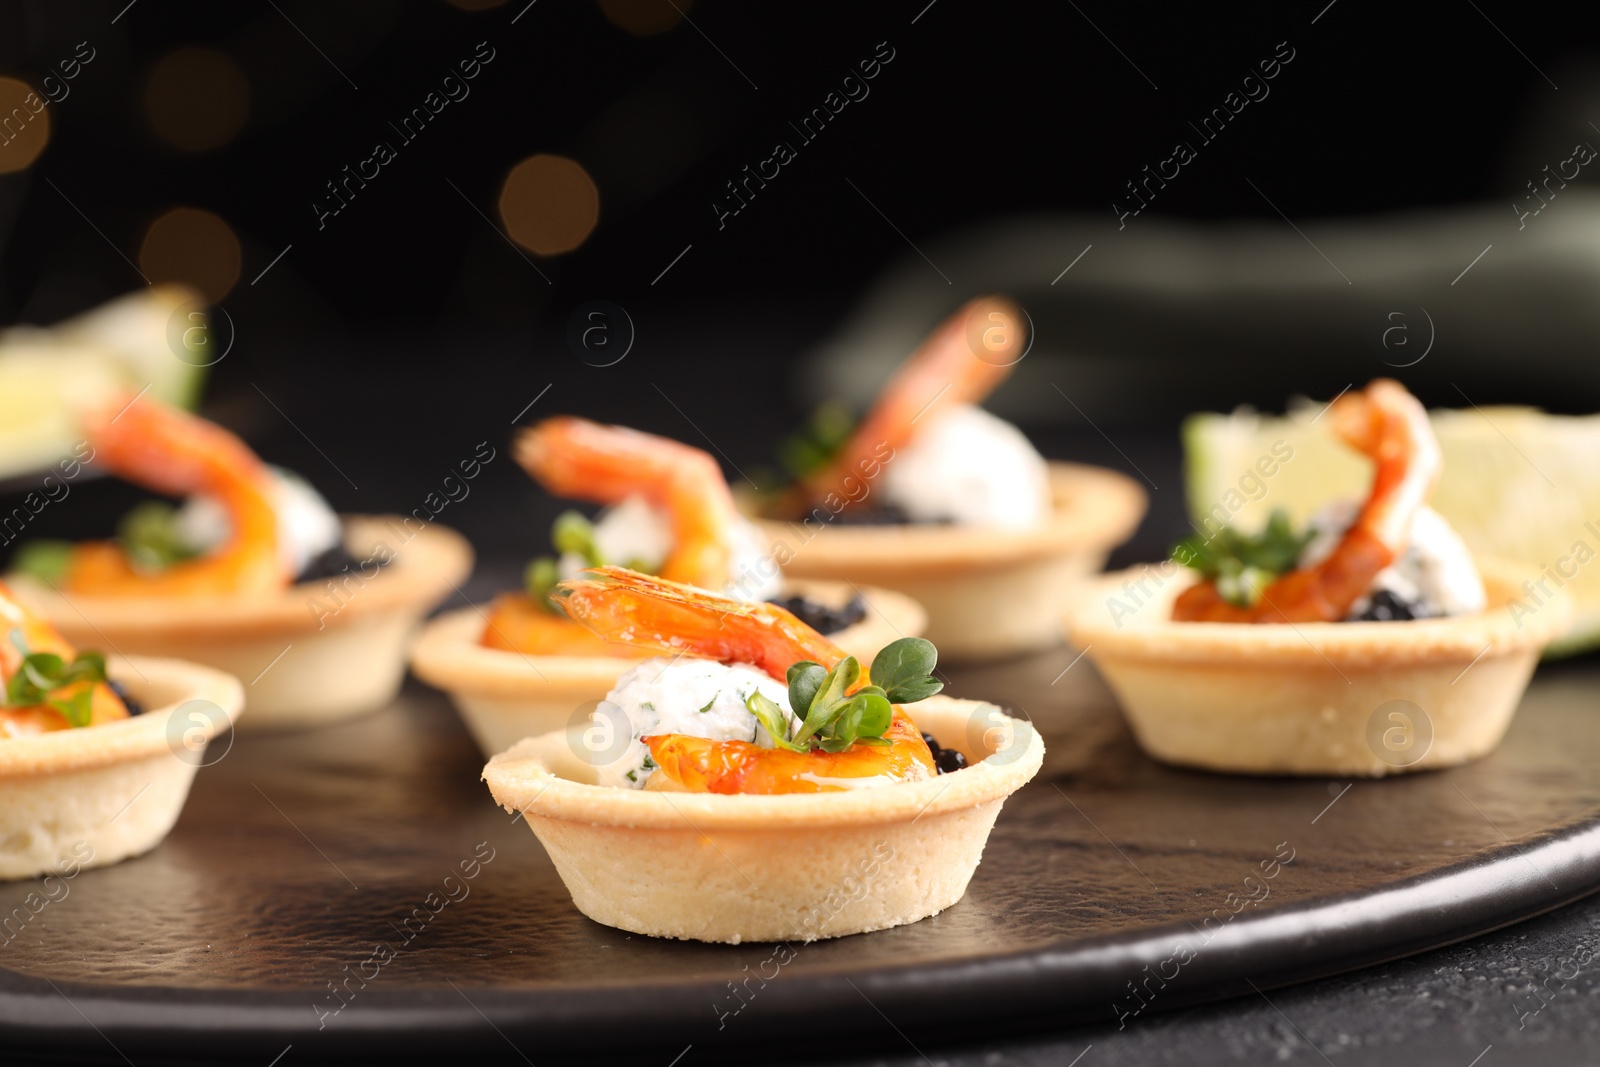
(133, 706)
(947, 760)
(336, 561)
(823, 618)
(1386, 606)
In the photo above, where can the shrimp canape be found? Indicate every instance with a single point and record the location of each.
(95, 759)
(1371, 643)
(933, 496)
(525, 668)
(753, 781)
(254, 574)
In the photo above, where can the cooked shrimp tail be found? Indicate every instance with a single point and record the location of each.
(636, 609)
(585, 460)
(1389, 425)
(961, 362)
(177, 453)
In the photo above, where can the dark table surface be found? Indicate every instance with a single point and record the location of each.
(1448, 1006)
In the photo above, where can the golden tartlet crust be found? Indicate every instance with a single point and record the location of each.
(735, 868)
(115, 787)
(505, 696)
(1312, 698)
(988, 593)
(342, 642)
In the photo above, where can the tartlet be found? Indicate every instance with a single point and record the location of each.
(522, 667)
(1314, 698)
(505, 696)
(989, 593)
(312, 653)
(92, 796)
(930, 495)
(1367, 644)
(734, 868)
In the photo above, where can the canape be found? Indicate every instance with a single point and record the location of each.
(1370, 644)
(523, 668)
(758, 784)
(95, 758)
(254, 575)
(935, 497)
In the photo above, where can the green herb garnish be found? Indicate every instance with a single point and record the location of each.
(817, 441)
(149, 535)
(539, 579)
(905, 670)
(1241, 564)
(707, 706)
(44, 560)
(42, 673)
(830, 717)
(572, 533)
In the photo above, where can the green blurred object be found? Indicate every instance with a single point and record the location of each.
(1244, 564)
(817, 440)
(573, 532)
(149, 535)
(539, 578)
(45, 560)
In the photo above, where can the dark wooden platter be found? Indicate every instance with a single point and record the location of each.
(298, 855)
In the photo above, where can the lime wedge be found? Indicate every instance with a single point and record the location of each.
(48, 373)
(1517, 483)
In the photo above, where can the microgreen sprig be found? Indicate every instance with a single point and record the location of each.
(42, 673)
(149, 535)
(572, 533)
(1241, 564)
(831, 717)
(817, 441)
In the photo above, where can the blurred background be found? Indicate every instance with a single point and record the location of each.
(405, 213)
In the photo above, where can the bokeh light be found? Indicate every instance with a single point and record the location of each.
(644, 17)
(196, 99)
(549, 204)
(24, 125)
(194, 247)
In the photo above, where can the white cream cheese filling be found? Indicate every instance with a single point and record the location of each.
(697, 697)
(972, 468)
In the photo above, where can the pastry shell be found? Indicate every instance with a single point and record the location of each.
(506, 696)
(313, 654)
(798, 867)
(988, 593)
(1341, 699)
(93, 796)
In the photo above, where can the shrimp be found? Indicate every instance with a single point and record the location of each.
(663, 616)
(1387, 423)
(177, 453)
(702, 766)
(518, 623)
(24, 629)
(574, 457)
(945, 371)
(622, 605)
